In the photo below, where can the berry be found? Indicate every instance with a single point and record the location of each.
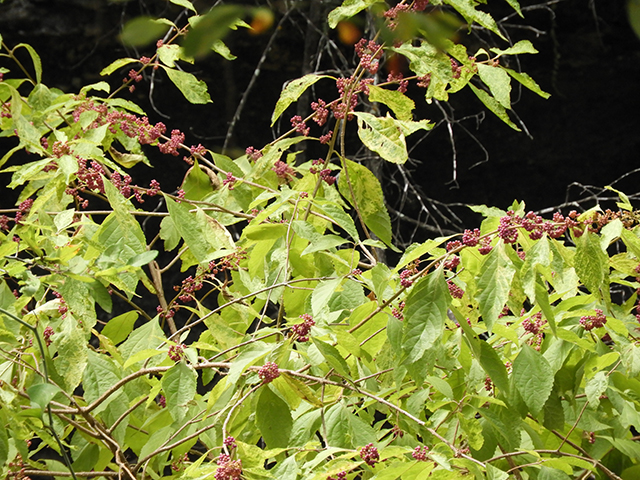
(420, 453)
(268, 372)
(47, 334)
(590, 322)
(455, 290)
(176, 352)
(301, 330)
(369, 454)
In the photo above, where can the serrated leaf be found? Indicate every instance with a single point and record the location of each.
(386, 136)
(206, 237)
(35, 58)
(221, 49)
(494, 284)
(595, 387)
(42, 393)
(591, 262)
(527, 81)
(118, 328)
(302, 390)
(169, 54)
(368, 197)
(194, 90)
(493, 105)
(523, 46)
(498, 82)
(425, 313)
(179, 387)
(348, 9)
(121, 62)
(491, 363)
(533, 378)
(322, 293)
(292, 92)
(333, 357)
(99, 375)
(184, 3)
(467, 9)
(397, 101)
(273, 418)
(143, 30)
(207, 29)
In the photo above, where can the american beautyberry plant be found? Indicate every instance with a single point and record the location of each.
(259, 333)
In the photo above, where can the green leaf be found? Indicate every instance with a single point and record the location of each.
(427, 59)
(533, 378)
(425, 313)
(206, 237)
(325, 242)
(397, 101)
(118, 328)
(595, 387)
(633, 12)
(467, 9)
(527, 81)
(143, 258)
(42, 393)
(498, 82)
(494, 367)
(493, 105)
(207, 29)
(384, 136)
(333, 357)
(184, 3)
(523, 46)
(119, 63)
(292, 92)
(591, 262)
(194, 90)
(35, 58)
(221, 49)
(145, 337)
(273, 418)
(493, 284)
(348, 9)
(179, 387)
(368, 197)
(100, 375)
(143, 30)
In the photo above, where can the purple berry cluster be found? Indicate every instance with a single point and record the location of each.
(301, 330)
(369, 53)
(47, 334)
(283, 171)
(455, 290)
(534, 323)
(268, 372)
(405, 275)
(176, 352)
(230, 443)
(397, 311)
(370, 454)
(421, 453)
(589, 322)
(253, 153)
(228, 469)
(339, 476)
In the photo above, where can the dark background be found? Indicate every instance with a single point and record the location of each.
(586, 134)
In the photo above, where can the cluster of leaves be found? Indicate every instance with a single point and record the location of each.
(289, 350)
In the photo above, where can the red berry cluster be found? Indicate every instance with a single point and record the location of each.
(172, 145)
(589, 322)
(299, 125)
(534, 323)
(421, 453)
(228, 469)
(407, 273)
(269, 372)
(177, 465)
(322, 113)
(370, 53)
(188, 288)
(399, 78)
(301, 330)
(283, 171)
(370, 454)
(455, 290)
(339, 476)
(230, 443)
(230, 180)
(324, 139)
(47, 334)
(253, 153)
(176, 352)
(397, 312)
(488, 384)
